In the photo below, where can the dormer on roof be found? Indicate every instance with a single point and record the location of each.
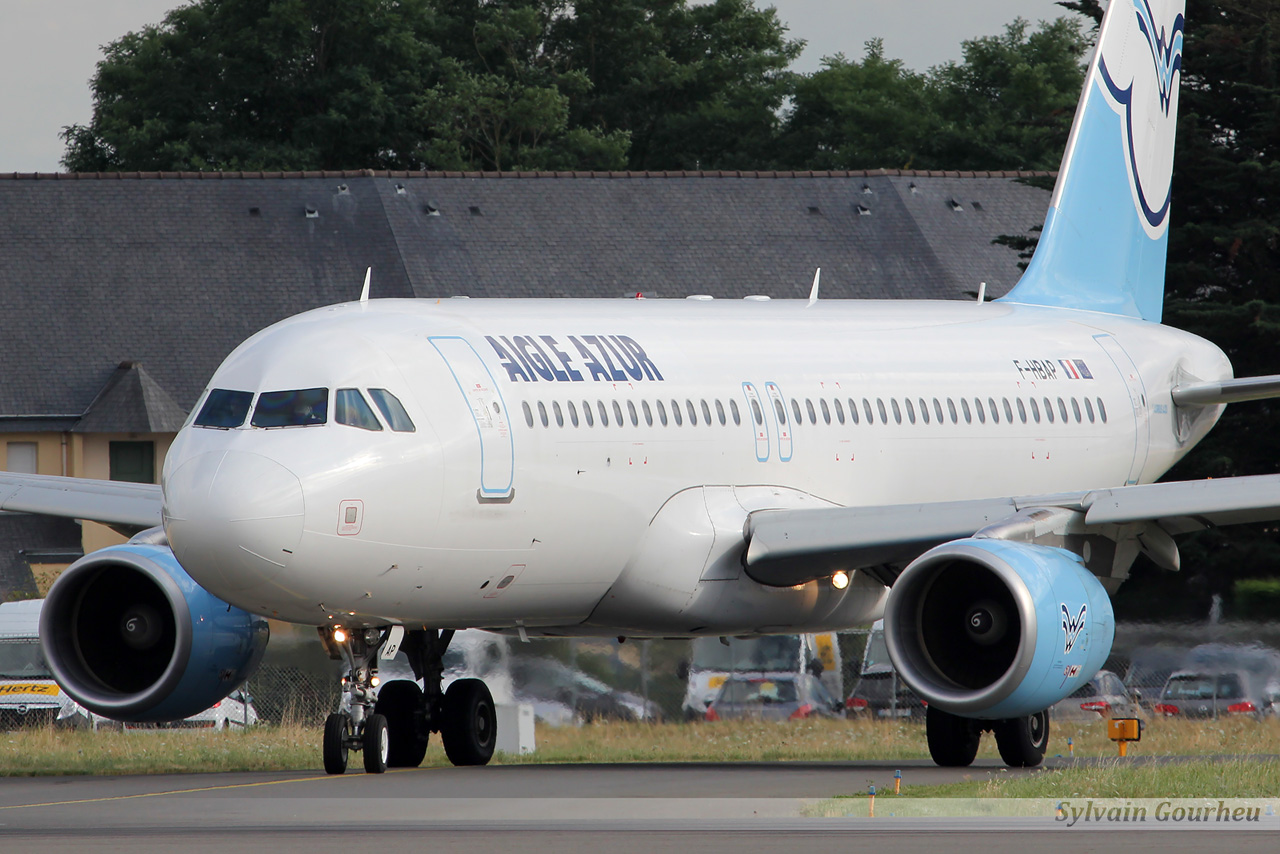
(131, 402)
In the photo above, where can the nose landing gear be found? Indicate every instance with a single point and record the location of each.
(391, 725)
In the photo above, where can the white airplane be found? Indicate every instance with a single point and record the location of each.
(980, 474)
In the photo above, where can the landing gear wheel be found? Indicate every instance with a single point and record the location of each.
(398, 701)
(335, 744)
(469, 728)
(377, 743)
(1023, 741)
(953, 740)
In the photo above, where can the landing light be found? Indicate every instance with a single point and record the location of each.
(339, 636)
(840, 580)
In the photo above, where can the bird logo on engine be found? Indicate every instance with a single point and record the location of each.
(1072, 626)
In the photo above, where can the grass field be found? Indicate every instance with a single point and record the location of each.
(284, 748)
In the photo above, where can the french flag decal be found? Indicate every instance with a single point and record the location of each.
(1072, 373)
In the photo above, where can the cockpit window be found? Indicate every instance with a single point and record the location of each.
(297, 408)
(224, 409)
(349, 407)
(389, 405)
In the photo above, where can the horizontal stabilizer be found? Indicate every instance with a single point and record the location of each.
(1227, 391)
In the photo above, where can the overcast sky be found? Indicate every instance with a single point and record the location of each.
(48, 50)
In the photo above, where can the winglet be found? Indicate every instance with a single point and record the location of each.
(813, 292)
(364, 293)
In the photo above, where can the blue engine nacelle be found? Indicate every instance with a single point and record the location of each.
(990, 629)
(130, 636)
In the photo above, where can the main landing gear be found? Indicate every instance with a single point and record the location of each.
(953, 740)
(390, 726)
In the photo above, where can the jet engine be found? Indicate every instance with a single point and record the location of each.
(130, 636)
(991, 629)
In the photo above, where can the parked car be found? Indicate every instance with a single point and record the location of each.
(235, 712)
(1201, 694)
(881, 694)
(790, 696)
(549, 680)
(1150, 668)
(1104, 696)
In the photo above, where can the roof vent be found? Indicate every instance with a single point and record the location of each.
(862, 210)
(866, 190)
(431, 209)
(400, 190)
(977, 206)
(955, 206)
(312, 213)
(255, 211)
(913, 188)
(343, 189)
(475, 211)
(814, 209)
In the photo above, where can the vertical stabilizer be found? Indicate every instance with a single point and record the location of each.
(1107, 230)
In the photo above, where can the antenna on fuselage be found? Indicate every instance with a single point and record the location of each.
(813, 292)
(982, 293)
(364, 293)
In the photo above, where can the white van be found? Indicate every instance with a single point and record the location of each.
(714, 659)
(28, 694)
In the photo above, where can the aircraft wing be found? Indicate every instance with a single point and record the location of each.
(786, 547)
(126, 507)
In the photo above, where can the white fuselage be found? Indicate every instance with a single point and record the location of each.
(481, 518)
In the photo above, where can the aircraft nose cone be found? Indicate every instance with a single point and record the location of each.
(233, 519)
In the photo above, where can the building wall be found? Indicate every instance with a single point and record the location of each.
(92, 457)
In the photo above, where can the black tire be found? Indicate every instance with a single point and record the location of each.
(335, 744)
(399, 701)
(377, 744)
(469, 729)
(1023, 741)
(953, 740)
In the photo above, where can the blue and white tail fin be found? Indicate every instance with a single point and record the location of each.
(1105, 236)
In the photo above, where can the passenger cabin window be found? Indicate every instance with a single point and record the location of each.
(542, 413)
(706, 413)
(528, 413)
(720, 412)
(662, 414)
(305, 407)
(559, 413)
(224, 409)
(693, 413)
(648, 412)
(839, 410)
(617, 413)
(392, 410)
(924, 410)
(350, 408)
(573, 413)
(733, 410)
(586, 413)
(604, 413)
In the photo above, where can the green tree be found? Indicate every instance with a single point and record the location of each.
(1010, 103)
(459, 84)
(1007, 105)
(695, 85)
(245, 84)
(858, 115)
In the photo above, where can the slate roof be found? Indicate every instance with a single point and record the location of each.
(19, 531)
(131, 402)
(171, 271)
